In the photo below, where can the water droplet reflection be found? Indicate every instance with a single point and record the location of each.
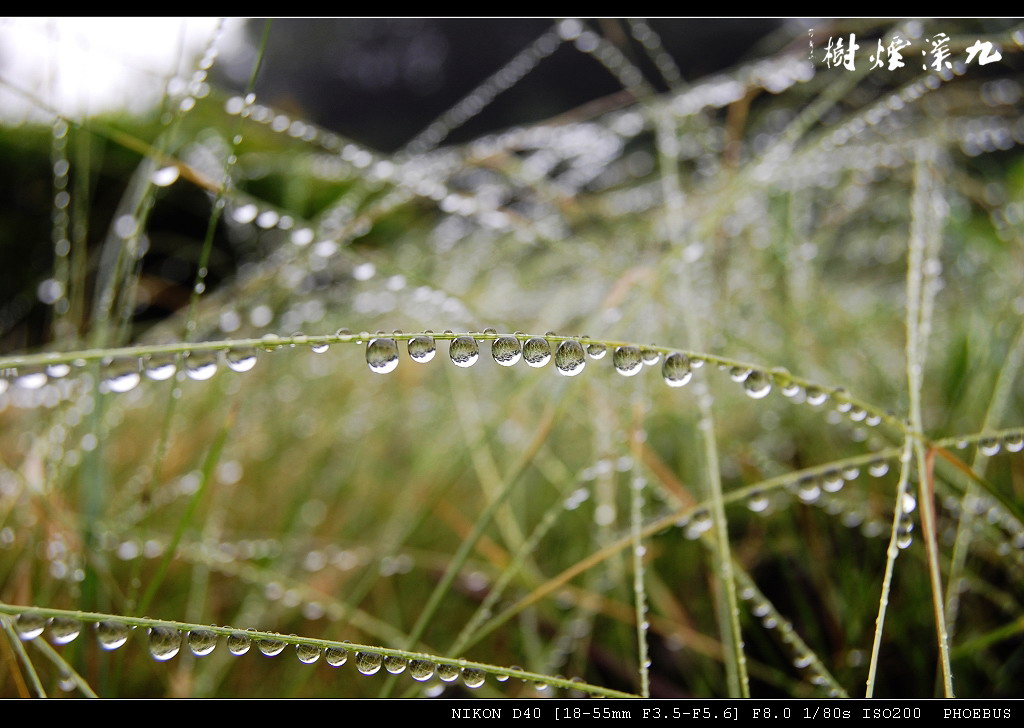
(464, 351)
(368, 663)
(627, 360)
(382, 355)
(164, 643)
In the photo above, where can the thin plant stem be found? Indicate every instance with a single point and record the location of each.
(636, 505)
(256, 635)
(728, 605)
(67, 670)
(890, 562)
(26, 661)
(996, 408)
(210, 463)
(923, 250)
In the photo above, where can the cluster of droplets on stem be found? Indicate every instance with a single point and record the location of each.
(803, 657)
(570, 358)
(570, 355)
(122, 374)
(165, 642)
(822, 488)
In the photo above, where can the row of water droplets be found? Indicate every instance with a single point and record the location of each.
(165, 643)
(123, 374)
(570, 355)
(570, 358)
(803, 657)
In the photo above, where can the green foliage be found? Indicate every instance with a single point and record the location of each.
(832, 285)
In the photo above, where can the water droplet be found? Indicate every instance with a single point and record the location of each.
(307, 654)
(808, 490)
(30, 378)
(245, 214)
(506, 350)
(335, 656)
(448, 673)
(270, 647)
(802, 661)
(421, 670)
(422, 349)
(238, 643)
(758, 502)
(878, 468)
(473, 677)
(570, 358)
(1014, 443)
(319, 348)
(676, 370)
(650, 356)
(29, 625)
(908, 503)
(111, 634)
(120, 375)
(700, 522)
(832, 481)
(597, 351)
(989, 446)
(757, 385)
(739, 374)
(160, 367)
(464, 351)
(56, 371)
(904, 539)
(872, 529)
(241, 359)
(368, 663)
(382, 355)
(851, 472)
(504, 678)
(873, 420)
(857, 414)
(200, 365)
(537, 352)
(202, 642)
(815, 397)
(395, 665)
(627, 360)
(64, 630)
(165, 176)
(164, 643)
(787, 386)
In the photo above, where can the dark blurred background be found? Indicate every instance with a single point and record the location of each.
(381, 81)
